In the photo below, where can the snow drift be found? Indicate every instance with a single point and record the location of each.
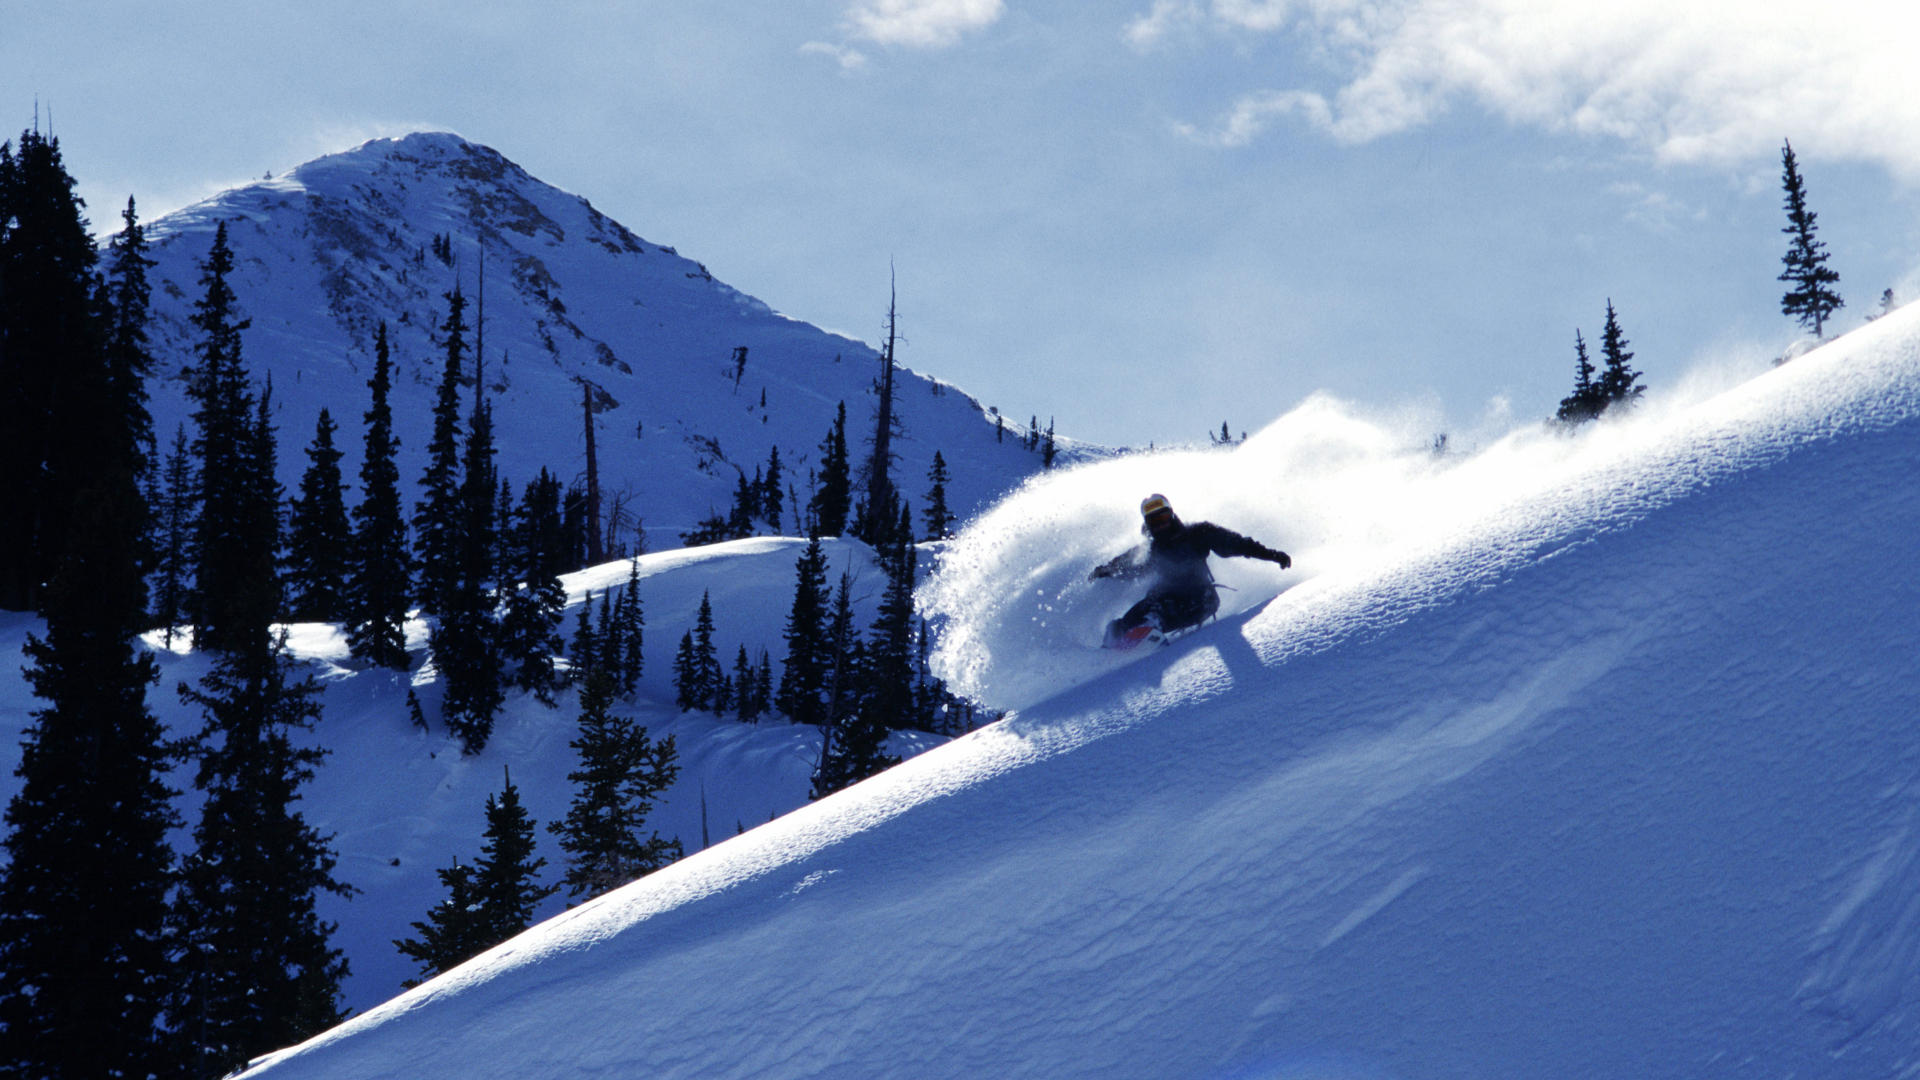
(1597, 761)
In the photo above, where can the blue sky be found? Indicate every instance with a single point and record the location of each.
(1141, 218)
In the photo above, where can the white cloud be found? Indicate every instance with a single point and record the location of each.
(1152, 28)
(930, 24)
(1699, 81)
(849, 58)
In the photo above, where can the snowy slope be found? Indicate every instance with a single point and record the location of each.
(572, 298)
(1607, 769)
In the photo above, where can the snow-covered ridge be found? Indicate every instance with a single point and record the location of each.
(1609, 770)
(574, 303)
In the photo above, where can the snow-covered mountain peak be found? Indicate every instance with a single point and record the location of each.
(693, 384)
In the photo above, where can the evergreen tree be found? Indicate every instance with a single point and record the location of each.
(488, 902)
(84, 944)
(880, 500)
(380, 580)
(129, 351)
(466, 640)
(1617, 381)
(833, 500)
(686, 680)
(762, 686)
(804, 674)
(633, 626)
(707, 675)
(770, 488)
(621, 773)
(438, 516)
(742, 680)
(1047, 451)
(583, 654)
(1587, 400)
(258, 970)
(746, 508)
(939, 520)
(846, 666)
(853, 738)
(228, 511)
(529, 629)
(453, 932)
(174, 519)
(53, 353)
(318, 536)
(888, 700)
(508, 869)
(607, 643)
(1810, 298)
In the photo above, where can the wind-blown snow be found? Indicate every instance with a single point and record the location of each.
(1596, 759)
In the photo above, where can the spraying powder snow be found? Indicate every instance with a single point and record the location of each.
(1346, 494)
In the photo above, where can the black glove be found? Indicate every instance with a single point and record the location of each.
(1098, 573)
(1281, 557)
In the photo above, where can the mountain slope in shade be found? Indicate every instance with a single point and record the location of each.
(1616, 778)
(575, 305)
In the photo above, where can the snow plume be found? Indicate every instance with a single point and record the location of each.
(1350, 495)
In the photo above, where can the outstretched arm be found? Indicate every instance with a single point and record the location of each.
(1226, 542)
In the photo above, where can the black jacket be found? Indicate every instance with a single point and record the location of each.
(1177, 558)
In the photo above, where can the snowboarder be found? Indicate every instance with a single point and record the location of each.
(1175, 555)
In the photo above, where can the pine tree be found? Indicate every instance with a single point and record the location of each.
(888, 700)
(1586, 401)
(174, 514)
(258, 970)
(686, 680)
(1047, 451)
(488, 902)
(939, 520)
(1810, 298)
(877, 505)
(1617, 381)
(453, 932)
(529, 629)
(84, 945)
(466, 640)
(53, 355)
(227, 516)
(621, 773)
(746, 508)
(770, 489)
(438, 516)
(833, 500)
(743, 702)
(762, 685)
(707, 675)
(854, 736)
(804, 673)
(380, 579)
(633, 627)
(583, 652)
(129, 351)
(318, 536)
(508, 869)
